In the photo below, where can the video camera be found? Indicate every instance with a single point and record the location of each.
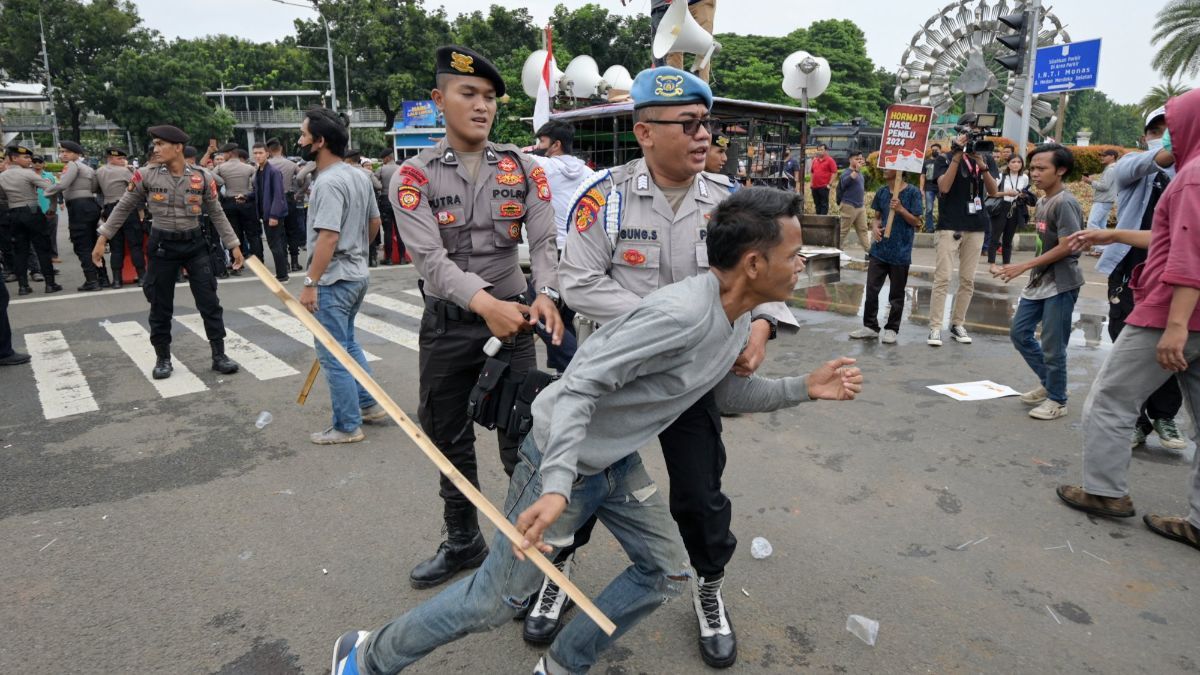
(976, 126)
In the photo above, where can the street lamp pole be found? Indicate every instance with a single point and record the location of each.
(329, 56)
(49, 85)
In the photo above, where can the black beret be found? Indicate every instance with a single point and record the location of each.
(353, 155)
(455, 60)
(115, 152)
(189, 151)
(18, 150)
(228, 147)
(168, 133)
(71, 146)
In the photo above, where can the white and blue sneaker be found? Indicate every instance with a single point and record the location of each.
(345, 652)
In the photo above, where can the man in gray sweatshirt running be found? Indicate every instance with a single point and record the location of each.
(627, 383)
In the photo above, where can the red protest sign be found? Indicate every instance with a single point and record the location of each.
(905, 135)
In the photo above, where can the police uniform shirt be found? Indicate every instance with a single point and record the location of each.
(237, 177)
(463, 233)
(20, 186)
(376, 184)
(288, 169)
(624, 241)
(385, 172)
(113, 180)
(78, 181)
(175, 202)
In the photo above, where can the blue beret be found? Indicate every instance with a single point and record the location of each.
(669, 86)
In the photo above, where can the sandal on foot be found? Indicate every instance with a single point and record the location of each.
(1178, 529)
(1114, 507)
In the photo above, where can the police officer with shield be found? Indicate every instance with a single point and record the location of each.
(176, 194)
(460, 207)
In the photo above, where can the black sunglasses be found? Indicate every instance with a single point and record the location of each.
(691, 126)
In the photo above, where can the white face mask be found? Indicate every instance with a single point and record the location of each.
(1154, 145)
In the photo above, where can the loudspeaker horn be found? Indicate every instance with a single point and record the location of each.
(531, 74)
(678, 31)
(617, 78)
(582, 78)
(805, 76)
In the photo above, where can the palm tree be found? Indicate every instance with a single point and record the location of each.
(1159, 96)
(1178, 25)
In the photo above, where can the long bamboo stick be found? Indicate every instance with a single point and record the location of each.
(426, 446)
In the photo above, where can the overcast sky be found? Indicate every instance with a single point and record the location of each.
(1126, 25)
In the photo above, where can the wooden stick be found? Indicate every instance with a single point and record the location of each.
(308, 384)
(426, 446)
(887, 231)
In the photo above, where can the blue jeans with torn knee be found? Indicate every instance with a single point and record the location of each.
(624, 498)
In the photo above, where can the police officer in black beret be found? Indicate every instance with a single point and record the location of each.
(114, 179)
(177, 194)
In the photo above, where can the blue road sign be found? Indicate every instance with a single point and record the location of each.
(1069, 67)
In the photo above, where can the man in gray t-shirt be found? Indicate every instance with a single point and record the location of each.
(343, 217)
(1054, 283)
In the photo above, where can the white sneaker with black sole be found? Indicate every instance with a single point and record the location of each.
(960, 335)
(934, 339)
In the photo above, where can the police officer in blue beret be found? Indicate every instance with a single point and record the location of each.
(634, 229)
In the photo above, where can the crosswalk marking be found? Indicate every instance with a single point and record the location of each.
(385, 330)
(288, 325)
(258, 361)
(135, 342)
(62, 388)
(415, 292)
(409, 310)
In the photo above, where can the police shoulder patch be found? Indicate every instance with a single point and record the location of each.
(411, 175)
(409, 197)
(587, 212)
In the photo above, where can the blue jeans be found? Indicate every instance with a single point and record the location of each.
(624, 498)
(930, 200)
(337, 305)
(1048, 359)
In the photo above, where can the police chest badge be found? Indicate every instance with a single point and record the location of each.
(539, 179)
(197, 181)
(510, 179)
(195, 209)
(158, 197)
(512, 210)
(634, 257)
(462, 63)
(409, 197)
(514, 230)
(668, 86)
(412, 176)
(586, 212)
(507, 164)
(446, 218)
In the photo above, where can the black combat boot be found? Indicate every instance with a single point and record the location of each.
(296, 263)
(162, 366)
(373, 258)
(221, 363)
(52, 287)
(91, 284)
(102, 277)
(718, 642)
(23, 287)
(116, 279)
(464, 548)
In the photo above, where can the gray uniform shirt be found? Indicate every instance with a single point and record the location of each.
(342, 202)
(237, 177)
(175, 202)
(624, 241)
(114, 181)
(287, 168)
(78, 181)
(463, 233)
(632, 378)
(20, 186)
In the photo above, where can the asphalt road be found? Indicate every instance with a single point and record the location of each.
(169, 535)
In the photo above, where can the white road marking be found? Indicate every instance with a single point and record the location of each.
(400, 307)
(135, 342)
(259, 362)
(61, 386)
(288, 325)
(385, 330)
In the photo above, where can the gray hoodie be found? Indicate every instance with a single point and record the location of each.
(631, 379)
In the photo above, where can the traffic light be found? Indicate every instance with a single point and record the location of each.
(1018, 41)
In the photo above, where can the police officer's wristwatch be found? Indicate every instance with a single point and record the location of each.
(309, 282)
(771, 320)
(552, 294)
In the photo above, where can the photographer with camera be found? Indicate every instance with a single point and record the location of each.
(1013, 209)
(964, 181)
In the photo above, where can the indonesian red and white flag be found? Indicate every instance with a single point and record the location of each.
(541, 108)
